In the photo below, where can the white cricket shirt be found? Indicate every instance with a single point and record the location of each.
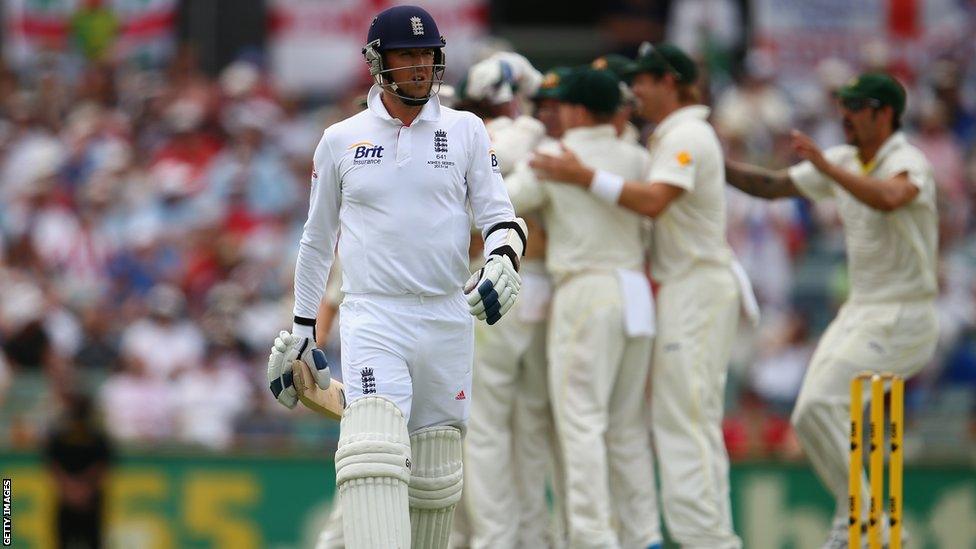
(685, 152)
(399, 193)
(891, 256)
(586, 232)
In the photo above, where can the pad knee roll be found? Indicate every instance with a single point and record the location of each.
(435, 485)
(372, 474)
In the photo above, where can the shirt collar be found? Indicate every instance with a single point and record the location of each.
(894, 141)
(590, 132)
(698, 112)
(431, 110)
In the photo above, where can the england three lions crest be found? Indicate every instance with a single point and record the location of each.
(440, 160)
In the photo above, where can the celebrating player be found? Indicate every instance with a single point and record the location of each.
(698, 300)
(885, 195)
(601, 326)
(397, 178)
(509, 444)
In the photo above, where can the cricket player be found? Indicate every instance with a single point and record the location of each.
(622, 68)
(601, 325)
(698, 299)
(397, 178)
(508, 446)
(886, 197)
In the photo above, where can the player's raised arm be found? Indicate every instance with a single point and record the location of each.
(760, 182)
(884, 194)
(638, 196)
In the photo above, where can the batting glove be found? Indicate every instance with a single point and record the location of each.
(287, 349)
(492, 290)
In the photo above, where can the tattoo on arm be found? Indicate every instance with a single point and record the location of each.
(759, 181)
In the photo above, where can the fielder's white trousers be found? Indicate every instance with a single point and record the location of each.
(597, 380)
(897, 338)
(510, 444)
(697, 318)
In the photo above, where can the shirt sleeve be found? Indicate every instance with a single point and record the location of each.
(524, 189)
(810, 181)
(316, 250)
(676, 159)
(918, 169)
(515, 140)
(486, 189)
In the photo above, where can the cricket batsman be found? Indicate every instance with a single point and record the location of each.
(397, 179)
(886, 198)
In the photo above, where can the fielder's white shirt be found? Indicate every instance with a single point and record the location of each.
(685, 153)
(587, 232)
(891, 256)
(399, 193)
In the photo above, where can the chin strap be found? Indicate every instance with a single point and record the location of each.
(407, 99)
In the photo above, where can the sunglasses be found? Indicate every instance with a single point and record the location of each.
(859, 103)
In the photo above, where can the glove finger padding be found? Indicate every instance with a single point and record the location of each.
(320, 368)
(492, 310)
(279, 371)
(491, 292)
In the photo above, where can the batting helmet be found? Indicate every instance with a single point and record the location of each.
(402, 27)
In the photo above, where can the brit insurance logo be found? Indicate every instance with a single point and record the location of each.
(494, 161)
(366, 153)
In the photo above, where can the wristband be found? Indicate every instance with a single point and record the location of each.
(607, 186)
(302, 329)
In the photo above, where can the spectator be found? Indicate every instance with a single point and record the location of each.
(138, 406)
(98, 350)
(209, 399)
(163, 342)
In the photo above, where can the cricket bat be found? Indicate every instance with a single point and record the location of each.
(329, 402)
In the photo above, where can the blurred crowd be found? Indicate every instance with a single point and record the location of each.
(148, 226)
(149, 222)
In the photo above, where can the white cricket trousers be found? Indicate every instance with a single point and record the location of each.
(597, 380)
(416, 351)
(897, 338)
(697, 317)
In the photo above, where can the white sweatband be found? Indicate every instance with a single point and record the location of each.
(607, 186)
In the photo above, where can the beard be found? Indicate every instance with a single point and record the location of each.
(850, 136)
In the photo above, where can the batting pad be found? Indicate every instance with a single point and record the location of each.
(372, 474)
(435, 485)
